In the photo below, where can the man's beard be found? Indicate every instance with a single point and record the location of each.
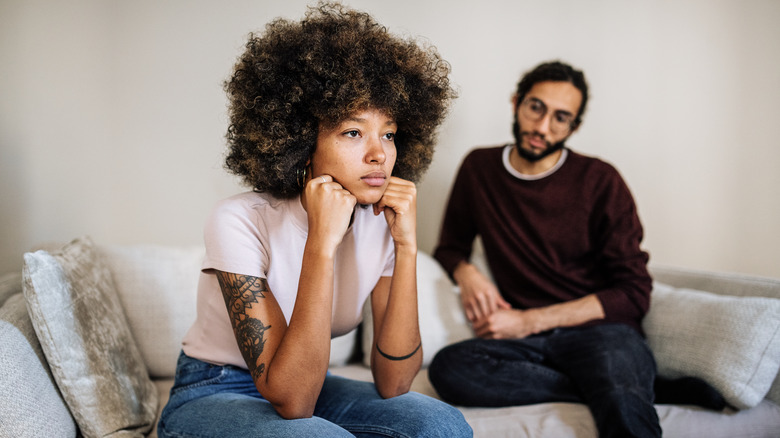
(528, 155)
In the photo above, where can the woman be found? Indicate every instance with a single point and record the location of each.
(332, 118)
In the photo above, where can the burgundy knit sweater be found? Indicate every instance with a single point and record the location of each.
(569, 234)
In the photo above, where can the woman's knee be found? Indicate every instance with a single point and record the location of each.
(428, 417)
(228, 414)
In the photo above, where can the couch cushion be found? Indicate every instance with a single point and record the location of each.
(440, 314)
(574, 420)
(157, 286)
(84, 335)
(26, 384)
(731, 342)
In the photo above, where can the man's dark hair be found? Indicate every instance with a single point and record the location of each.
(558, 72)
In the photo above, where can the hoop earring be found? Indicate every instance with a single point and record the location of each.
(300, 176)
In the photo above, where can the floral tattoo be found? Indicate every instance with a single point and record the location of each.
(240, 293)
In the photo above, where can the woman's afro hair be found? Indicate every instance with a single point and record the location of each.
(298, 76)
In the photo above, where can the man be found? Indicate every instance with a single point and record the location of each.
(561, 234)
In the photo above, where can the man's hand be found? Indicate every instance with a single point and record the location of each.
(479, 296)
(507, 324)
(516, 323)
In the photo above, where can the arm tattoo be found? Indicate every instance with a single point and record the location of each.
(240, 292)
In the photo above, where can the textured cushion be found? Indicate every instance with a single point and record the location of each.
(84, 335)
(26, 386)
(731, 342)
(441, 317)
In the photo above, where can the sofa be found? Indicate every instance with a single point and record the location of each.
(90, 335)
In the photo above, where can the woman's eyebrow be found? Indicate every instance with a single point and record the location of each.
(362, 120)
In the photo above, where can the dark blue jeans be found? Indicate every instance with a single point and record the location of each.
(609, 367)
(210, 401)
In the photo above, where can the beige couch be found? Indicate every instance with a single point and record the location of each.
(729, 335)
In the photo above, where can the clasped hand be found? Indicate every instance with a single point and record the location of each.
(490, 315)
(330, 208)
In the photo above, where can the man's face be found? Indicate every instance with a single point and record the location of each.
(543, 120)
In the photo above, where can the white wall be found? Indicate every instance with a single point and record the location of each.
(112, 115)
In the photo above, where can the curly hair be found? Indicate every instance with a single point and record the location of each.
(300, 76)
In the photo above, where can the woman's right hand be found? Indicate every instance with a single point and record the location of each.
(329, 208)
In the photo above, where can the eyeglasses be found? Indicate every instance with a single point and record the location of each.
(534, 109)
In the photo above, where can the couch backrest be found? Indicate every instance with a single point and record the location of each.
(721, 283)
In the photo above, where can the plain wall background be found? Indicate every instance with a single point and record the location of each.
(112, 114)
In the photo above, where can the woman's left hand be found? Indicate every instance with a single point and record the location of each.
(399, 204)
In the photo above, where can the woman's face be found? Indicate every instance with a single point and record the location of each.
(359, 153)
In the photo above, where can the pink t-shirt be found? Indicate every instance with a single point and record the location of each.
(262, 236)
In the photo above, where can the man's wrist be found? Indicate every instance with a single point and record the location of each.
(542, 319)
(462, 270)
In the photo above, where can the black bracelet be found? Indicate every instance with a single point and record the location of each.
(398, 357)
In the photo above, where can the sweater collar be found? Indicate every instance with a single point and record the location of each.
(512, 171)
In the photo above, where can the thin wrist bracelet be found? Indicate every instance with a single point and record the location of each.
(387, 356)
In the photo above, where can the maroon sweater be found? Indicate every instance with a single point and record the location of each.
(569, 234)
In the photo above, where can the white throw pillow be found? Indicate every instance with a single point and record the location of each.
(342, 349)
(733, 343)
(440, 314)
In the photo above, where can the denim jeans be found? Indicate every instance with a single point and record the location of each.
(608, 367)
(222, 401)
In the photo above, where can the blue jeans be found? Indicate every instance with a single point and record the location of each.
(608, 367)
(222, 401)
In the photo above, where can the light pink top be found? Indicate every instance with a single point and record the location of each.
(256, 234)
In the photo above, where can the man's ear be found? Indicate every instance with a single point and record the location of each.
(514, 101)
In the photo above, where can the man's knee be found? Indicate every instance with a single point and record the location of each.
(623, 343)
(449, 359)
